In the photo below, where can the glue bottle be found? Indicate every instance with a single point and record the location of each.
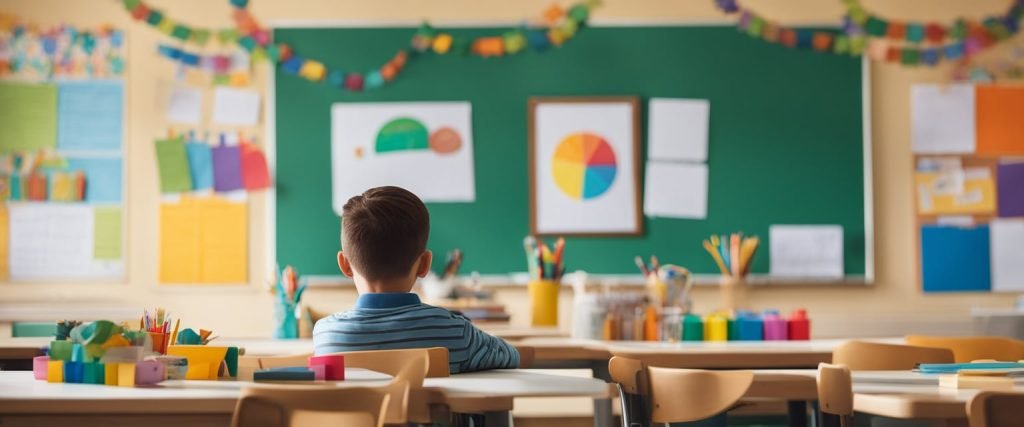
(774, 326)
(799, 325)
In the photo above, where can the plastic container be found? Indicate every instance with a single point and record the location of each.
(671, 324)
(716, 328)
(799, 325)
(693, 328)
(60, 350)
(334, 366)
(74, 372)
(39, 367)
(775, 328)
(149, 372)
(750, 327)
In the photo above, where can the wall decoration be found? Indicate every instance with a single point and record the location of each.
(33, 53)
(425, 147)
(584, 161)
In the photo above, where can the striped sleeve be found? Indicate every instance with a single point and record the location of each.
(486, 351)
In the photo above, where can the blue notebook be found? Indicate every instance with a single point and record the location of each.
(285, 374)
(952, 368)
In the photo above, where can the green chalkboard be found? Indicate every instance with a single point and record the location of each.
(786, 144)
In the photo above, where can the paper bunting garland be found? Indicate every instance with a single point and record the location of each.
(226, 69)
(917, 43)
(770, 31)
(177, 30)
(906, 43)
(560, 25)
(41, 54)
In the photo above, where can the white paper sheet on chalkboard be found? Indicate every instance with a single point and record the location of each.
(676, 190)
(56, 241)
(813, 251)
(677, 129)
(1007, 246)
(942, 118)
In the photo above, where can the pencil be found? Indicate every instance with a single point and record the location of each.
(530, 247)
(734, 254)
(640, 264)
(716, 256)
(174, 335)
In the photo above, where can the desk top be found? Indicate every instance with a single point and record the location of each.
(20, 393)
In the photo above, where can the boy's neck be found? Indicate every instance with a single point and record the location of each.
(383, 286)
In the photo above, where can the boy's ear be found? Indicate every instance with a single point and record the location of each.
(344, 265)
(424, 264)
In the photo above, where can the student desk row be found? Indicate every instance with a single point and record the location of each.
(25, 401)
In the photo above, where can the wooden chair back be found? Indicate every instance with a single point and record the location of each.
(526, 356)
(995, 409)
(835, 394)
(872, 356)
(684, 395)
(967, 349)
(301, 406)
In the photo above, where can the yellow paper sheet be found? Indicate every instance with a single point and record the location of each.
(225, 241)
(204, 241)
(978, 197)
(107, 233)
(4, 237)
(179, 241)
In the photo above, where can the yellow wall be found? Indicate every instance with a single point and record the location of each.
(893, 305)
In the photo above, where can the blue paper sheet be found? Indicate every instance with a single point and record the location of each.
(102, 178)
(89, 116)
(200, 164)
(955, 259)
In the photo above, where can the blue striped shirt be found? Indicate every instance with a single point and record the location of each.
(384, 321)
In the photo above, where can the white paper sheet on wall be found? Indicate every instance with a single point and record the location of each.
(1007, 246)
(185, 106)
(55, 241)
(676, 190)
(942, 118)
(425, 147)
(677, 129)
(236, 107)
(806, 251)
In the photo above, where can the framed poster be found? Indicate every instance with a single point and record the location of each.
(585, 166)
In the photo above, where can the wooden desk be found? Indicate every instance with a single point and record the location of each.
(25, 401)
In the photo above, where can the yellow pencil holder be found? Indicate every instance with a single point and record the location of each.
(544, 302)
(203, 360)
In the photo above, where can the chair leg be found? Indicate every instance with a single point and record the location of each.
(635, 412)
(832, 420)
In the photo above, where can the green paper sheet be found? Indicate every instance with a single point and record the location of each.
(107, 233)
(28, 117)
(173, 164)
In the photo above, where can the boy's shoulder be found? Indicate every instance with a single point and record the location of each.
(417, 311)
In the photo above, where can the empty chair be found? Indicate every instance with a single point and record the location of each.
(966, 349)
(409, 367)
(835, 395)
(872, 356)
(995, 409)
(301, 406)
(526, 356)
(676, 395)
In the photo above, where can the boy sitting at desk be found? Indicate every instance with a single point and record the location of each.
(384, 241)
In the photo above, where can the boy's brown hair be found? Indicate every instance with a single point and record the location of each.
(384, 231)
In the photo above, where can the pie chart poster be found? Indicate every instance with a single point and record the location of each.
(585, 166)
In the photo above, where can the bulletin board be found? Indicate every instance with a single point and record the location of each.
(787, 140)
(969, 187)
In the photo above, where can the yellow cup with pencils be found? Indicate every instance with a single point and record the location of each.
(544, 302)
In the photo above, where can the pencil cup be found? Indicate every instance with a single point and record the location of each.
(656, 290)
(159, 342)
(543, 302)
(39, 367)
(286, 326)
(734, 292)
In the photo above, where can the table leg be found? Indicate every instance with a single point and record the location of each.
(603, 416)
(498, 419)
(797, 411)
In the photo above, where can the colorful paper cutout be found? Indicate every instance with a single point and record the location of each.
(977, 197)
(200, 164)
(227, 168)
(89, 115)
(173, 165)
(107, 233)
(1010, 179)
(4, 243)
(998, 112)
(32, 124)
(955, 259)
(102, 178)
(255, 175)
(179, 241)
